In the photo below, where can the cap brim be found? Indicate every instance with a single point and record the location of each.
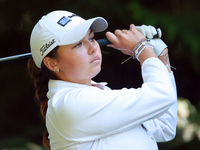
(97, 24)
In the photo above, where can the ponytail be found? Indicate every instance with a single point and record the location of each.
(41, 78)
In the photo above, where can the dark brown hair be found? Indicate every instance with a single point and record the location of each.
(41, 78)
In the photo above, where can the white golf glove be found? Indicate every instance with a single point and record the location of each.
(150, 32)
(159, 46)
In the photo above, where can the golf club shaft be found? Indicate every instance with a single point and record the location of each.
(102, 42)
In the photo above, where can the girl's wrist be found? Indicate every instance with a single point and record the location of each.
(164, 57)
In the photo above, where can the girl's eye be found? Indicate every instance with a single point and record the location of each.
(78, 45)
(92, 39)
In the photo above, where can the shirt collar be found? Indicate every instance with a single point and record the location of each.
(59, 83)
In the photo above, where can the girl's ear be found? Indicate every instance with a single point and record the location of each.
(50, 63)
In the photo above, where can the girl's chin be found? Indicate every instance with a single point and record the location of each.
(96, 73)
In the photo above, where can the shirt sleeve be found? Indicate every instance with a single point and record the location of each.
(90, 113)
(163, 128)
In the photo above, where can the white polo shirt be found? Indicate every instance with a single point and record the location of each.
(82, 117)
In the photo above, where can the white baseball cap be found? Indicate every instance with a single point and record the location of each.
(60, 28)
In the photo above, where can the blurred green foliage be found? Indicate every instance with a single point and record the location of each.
(179, 21)
(21, 123)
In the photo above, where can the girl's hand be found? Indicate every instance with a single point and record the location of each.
(125, 40)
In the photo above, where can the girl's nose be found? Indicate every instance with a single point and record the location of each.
(92, 47)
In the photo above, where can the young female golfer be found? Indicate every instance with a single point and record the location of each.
(84, 115)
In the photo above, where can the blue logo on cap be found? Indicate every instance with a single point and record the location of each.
(63, 21)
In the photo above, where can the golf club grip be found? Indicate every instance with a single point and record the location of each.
(103, 42)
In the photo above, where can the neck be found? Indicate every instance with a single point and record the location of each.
(86, 82)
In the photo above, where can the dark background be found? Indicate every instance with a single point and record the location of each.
(21, 123)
